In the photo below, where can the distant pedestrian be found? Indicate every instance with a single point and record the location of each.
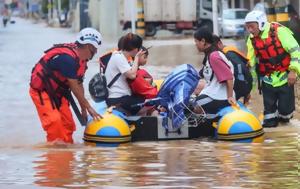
(5, 15)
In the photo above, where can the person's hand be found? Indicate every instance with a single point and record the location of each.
(247, 99)
(292, 78)
(94, 114)
(231, 100)
(198, 110)
(138, 55)
(162, 109)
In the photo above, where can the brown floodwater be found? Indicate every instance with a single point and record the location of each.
(26, 161)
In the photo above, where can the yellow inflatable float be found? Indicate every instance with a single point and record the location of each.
(237, 123)
(111, 129)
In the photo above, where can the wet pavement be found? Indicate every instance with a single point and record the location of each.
(26, 161)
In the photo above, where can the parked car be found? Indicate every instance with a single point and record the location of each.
(232, 22)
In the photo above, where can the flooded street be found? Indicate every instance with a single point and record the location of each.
(26, 161)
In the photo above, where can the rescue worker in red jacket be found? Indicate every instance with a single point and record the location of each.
(274, 57)
(58, 73)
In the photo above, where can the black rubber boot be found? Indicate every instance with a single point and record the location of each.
(270, 123)
(284, 120)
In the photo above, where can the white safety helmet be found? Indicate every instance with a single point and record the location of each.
(257, 16)
(89, 36)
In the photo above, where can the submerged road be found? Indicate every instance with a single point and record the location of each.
(27, 162)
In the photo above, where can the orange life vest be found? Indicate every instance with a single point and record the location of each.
(272, 56)
(53, 82)
(234, 49)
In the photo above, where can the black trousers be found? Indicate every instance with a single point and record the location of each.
(126, 103)
(278, 101)
(211, 106)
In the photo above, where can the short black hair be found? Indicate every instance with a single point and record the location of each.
(204, 33)
(120, 43)
(131, 41)
(216, 39)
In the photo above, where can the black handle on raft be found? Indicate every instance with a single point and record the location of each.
(148, 102)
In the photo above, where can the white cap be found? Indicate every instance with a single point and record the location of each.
(257, 16)
(89, 36)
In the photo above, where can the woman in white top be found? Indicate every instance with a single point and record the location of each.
(217, 71)
(120, 94)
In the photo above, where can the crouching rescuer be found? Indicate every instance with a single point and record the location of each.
(274, 57)
(58, 73)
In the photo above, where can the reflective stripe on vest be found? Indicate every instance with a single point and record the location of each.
(272, 56)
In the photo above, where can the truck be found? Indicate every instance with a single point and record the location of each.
(173, 15)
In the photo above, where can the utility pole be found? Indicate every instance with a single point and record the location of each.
(215, 17)
(59, 7)
(133, 14)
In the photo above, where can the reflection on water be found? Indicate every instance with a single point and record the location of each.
(25, 162)
(176, 164)
(54, 168)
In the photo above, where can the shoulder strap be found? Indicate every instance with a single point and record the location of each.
(273, 33)
(66, 46)
(48, 72)
(223, 62)
(114, 80)
(236, 51)
(104, 59)
(212, 71)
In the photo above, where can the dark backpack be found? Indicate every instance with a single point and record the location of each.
(98, 86)
(243, 78)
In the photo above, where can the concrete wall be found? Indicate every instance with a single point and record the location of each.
(104, 16)
(74, 16)
(94, 13)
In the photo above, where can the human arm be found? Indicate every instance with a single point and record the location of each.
(223, 73)
(220, 68)
(291, 46)
(252, 61)
(200, 87)
(78, 91)
(68, 67)
(229, 89)
(131, 74)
